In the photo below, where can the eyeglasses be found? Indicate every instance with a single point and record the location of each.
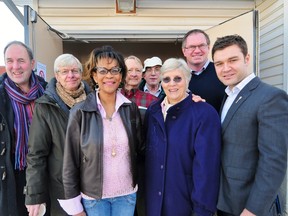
(66, 72)
(155, 69)
(176, 79)
(193, 48)
(104, 71)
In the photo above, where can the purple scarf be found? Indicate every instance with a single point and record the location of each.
(23, 106)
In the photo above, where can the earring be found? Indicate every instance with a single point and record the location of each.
(96, 87)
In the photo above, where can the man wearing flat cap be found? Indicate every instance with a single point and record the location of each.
(151, 75)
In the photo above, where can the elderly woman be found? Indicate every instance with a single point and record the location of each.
(182, 149)
(47, 135)
(102, 144)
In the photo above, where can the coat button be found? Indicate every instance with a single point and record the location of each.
(3, 176)
(161, 167)
(173, 117)
(3, 151)
(159, 193)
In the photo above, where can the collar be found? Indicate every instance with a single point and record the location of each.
(120, 99)
(203, 68)
(129, 93)
(239, 86)
(157, 92)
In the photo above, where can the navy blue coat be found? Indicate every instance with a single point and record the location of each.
(182, 164)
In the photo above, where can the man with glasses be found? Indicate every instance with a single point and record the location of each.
(47, 136)
(204, 81)
(151, 75)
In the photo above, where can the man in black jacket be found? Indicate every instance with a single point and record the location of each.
(19, 88)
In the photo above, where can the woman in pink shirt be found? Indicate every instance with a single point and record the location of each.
(102, 145)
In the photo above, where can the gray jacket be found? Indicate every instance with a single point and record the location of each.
(254, 150)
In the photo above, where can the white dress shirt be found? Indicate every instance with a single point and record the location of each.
(233, 93)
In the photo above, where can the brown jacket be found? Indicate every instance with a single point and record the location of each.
(83, 161)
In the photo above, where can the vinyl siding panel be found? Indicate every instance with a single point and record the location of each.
(274, 53)
(271, 16)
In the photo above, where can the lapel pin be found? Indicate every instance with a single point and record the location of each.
(238, 99)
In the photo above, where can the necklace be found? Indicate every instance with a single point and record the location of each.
(113, 136)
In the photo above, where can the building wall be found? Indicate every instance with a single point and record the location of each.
(2, 70)
(271, 38)
(154, 19)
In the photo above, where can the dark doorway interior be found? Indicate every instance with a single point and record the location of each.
(142, 50)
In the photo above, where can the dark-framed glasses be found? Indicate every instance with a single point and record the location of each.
(65, 72)
(104, 71)
(193, 48)
(176, 79)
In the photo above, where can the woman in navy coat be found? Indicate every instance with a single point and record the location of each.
(183, 141)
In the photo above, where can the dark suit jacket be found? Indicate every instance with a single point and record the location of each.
(254, 152)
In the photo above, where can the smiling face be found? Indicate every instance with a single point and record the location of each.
(108, 83)
(134, 74)
(175, 89)
(196, 51)
(69, 77)
(231, 65)
(19, 66)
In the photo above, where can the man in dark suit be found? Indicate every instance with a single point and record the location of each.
(254, 130)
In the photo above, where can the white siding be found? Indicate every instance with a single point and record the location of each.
(285, 48)
(273, 50)
(154, 19)
(271, 67)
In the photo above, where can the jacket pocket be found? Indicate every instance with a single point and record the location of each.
(237, 173)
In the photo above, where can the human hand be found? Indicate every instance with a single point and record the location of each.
(246, 212)
(197, 98)
(33, 209)
(81, 214)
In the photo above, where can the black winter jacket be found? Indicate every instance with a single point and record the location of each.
(8, 192)
(46, 149)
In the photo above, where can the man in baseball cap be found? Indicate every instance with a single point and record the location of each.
(151, 75)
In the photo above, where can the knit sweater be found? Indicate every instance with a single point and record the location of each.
(208, 86)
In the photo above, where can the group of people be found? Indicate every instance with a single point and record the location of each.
(116, 138)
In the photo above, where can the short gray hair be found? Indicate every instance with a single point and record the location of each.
(177, 64)
(65, 60)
